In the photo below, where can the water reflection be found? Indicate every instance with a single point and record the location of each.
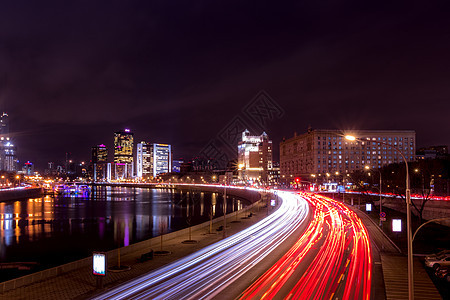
(54, 230)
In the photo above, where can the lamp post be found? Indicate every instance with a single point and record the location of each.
(381, 205)
(408, 216)
(225, 208)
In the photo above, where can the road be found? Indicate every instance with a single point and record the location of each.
(332, 259)
(207, 272)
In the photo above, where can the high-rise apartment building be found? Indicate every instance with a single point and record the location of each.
(153, 159)
(327, 151)
(254, 157)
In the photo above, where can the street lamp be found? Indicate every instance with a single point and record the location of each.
(381, 205)
(408, 216)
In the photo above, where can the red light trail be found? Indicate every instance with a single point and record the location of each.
(336, 244)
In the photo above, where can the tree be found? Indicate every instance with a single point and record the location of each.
(362, 183)
(423, 177)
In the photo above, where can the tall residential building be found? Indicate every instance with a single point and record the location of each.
(153, 159)
(254, 157)
(327, 151)
(123, 155)
(8, 152)
(99, 162)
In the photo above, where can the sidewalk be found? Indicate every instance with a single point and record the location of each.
(394, 267)
(80, 283)
(395, 270)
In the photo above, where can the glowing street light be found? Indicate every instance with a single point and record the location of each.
(408, 217)
(350, 137)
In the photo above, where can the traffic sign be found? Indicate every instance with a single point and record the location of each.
(382, 214)
(382, 219)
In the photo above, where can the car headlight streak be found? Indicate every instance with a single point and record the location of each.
(206, 272)
(344, 252)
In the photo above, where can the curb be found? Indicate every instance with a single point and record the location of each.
(378, 227)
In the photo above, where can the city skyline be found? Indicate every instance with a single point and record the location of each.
(224, 149)
(180, 74)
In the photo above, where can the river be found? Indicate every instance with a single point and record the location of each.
(53, 230)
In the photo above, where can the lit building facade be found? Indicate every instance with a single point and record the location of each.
(153, 159)
(99, 154)
(4, 125)
(144, 160)
(176, 165)
(8, 152)
(28, 168)
(161, 159)
(123, 155)
(320, 152)
(99, 162)
(123, 146)
(254, 157)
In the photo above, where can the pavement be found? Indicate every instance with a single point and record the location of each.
(81, 284)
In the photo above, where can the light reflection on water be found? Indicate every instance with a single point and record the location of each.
(54, 230)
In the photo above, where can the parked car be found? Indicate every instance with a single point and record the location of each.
(442, 272)
(440, 253)
(435, 263)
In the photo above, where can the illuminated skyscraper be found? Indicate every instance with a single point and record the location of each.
(254, 157)
(99, 154)
(8, 159)
(99, 162)
(4, 125)
(144, 160)
(162, 159)
(123, 146)
(123, 154)
(153, 159)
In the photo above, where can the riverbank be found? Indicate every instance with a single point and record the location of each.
(129, 255)
(20, 193)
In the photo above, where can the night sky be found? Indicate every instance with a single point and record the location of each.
(73, 72)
